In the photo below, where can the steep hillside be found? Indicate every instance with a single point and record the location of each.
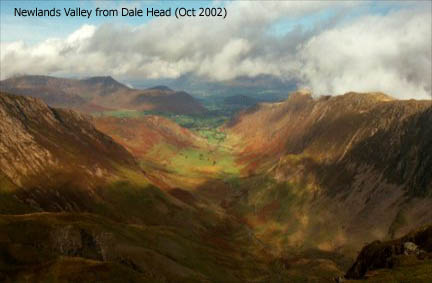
(367, 128)
(334, 172)
(38, 141)
(144, 133)
(75, 205)
(99, 94)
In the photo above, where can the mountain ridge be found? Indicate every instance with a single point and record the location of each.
(347, 162)
(98, 93)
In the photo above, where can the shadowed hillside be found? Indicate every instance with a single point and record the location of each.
(75, 205)
(346, 169)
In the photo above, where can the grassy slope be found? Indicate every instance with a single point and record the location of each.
(270, 213)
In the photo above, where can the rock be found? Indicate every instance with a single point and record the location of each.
(379, 255)
(67, 241)
(411, 248)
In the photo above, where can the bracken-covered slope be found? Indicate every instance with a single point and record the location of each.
(154, 141)
(75, 206)
(99, 94)
(144, 133)
(41, 141)
(348, 168)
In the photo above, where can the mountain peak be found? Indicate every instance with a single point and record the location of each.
(300, 95)
(105, 84)
(102, 79)
(375, 96)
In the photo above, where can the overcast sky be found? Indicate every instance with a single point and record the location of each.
(330, 47)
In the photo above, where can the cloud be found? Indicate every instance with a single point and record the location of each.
(386, 52)
(375, 53)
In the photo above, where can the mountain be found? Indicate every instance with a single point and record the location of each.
(160, 87)
(261, 87)
(103, 86)
(344, 169)
(98, 94)
(284, 192)
(54, 91)
(75, 205)
(166, 100)
(341, 129)
(41, 141)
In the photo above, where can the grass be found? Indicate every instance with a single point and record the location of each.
(205, 125)
(196, 162)
(417, 271)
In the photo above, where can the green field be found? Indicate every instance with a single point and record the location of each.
(205, 125)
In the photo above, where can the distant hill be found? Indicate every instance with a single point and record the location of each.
(160, 87)
(167, 101)
(56, 92)
(240, 100)
(101, 93)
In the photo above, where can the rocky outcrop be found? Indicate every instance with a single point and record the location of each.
(72, 241)
(379, 255)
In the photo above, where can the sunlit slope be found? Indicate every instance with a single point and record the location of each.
(334, 172)
(177, 156)
(77, 206)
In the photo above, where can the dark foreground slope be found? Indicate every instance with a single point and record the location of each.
(75, 206)
(408, 259)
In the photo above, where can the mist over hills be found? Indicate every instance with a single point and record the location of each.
(262, 87)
